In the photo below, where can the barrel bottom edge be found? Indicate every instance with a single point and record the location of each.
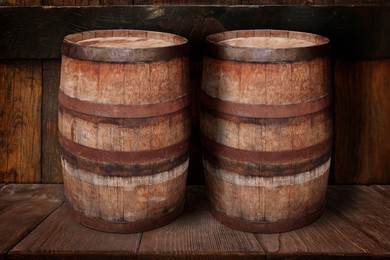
(125, 227)
(267, 227)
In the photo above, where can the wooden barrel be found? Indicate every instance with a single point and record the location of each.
(266, 128)
(124, 127)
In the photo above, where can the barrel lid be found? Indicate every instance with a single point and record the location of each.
(124, 46)
(266, 46)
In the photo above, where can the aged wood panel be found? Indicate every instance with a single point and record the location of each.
(355, 33)
(187, 2)
(195, 234)
(22, 208)
(20, 121)
(51, 164)
(86, 2)
(61, 236)
(287, 2)
(363, 208)
(362, 120)
(20, 2)
(361, 2)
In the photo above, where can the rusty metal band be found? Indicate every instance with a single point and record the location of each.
(264, 111)
(268, 227)
(263, 55)
(119, 157)
(261, 121)
(269, 156)
(123, 111)
(125, 227)
(124, 170)
(175, 117)
(264, 169)
(71, 49)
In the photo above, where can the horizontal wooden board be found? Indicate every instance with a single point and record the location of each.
(382, 189)
(329, 236)
(355, 32)
(20, 2)
(22, 208)
(355, 223)
(86, 2)
(187, 2)
(363, 208)
(60, 236)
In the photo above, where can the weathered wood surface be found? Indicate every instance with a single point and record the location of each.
(60, 236)
(85, 2)
(188, 2)
(20, 2)
(363, 208)
(349, 228)
(330, 236)
(195, 234)
(20, 121)
(355, 32)
(362, 121)
(22, 208)
(382, 189)
(51, 164)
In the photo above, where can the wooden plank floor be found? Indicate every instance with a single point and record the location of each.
(35, 224)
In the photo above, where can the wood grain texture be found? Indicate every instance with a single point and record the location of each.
(60, 236)
(187, 2)
(20, 121)
(22, 208)
(86, 2)
(125, 84)
(362, 120)
(20, 2)
(330, 236)
(287, 2)
(363, 208)
(361, 36)
(345, 230)
(382, 189)
(361, 2)
(51, 163)
(195, 234)
(266, 83)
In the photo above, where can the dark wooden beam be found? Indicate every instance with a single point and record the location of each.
(358, 33)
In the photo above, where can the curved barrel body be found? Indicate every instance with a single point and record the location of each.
(266, 128)
(124, 127)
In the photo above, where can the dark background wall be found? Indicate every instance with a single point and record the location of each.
(31, 32)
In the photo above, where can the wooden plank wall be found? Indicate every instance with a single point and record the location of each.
(28, 108)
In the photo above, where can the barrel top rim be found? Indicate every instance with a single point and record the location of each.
(214, 48)
(71, 46)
